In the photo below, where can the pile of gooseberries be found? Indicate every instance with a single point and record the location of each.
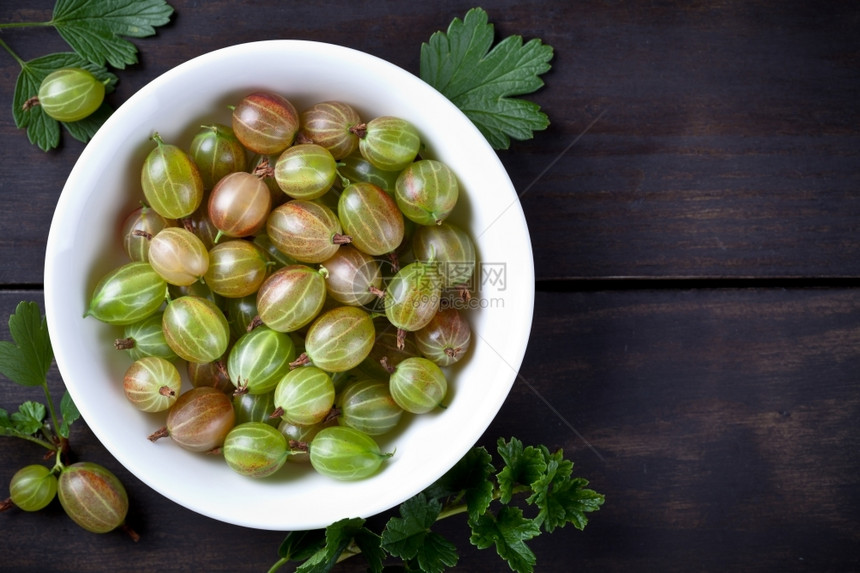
(300, 267)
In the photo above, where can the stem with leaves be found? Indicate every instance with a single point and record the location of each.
(26, 361)
(474, 487)
(96, 42)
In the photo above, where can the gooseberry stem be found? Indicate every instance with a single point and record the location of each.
(6, 46)
(53, 412)
(158, 434)
(130, 532)
(58, 464)
(41, 442)
(26, 24)
(278, 564)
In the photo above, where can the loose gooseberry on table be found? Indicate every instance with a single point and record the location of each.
(69, 94)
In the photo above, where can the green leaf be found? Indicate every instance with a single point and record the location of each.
(508, 531)
(409, 536)
(27, 361)
(84, 129)
(301, 545)
(481, 81)
(568, 503)
(69, 412)
(559, 498)
(28, 419)
(6, 427)
(96, 29)
(370, 545)
(338, 536)
(469, 478)
(523, 466)
(43, 130)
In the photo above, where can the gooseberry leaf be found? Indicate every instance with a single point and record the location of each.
(523, 466)
(6, 426)
(469, 479)
(481, 79)
(508, 531)
(28, 419)
(95, 29)
(563, 502)
(370, 545)
(338, 536)
(561, 499)
(69, 412)
(301, 545)
(409, 536)
(43, 130)
(26, 360)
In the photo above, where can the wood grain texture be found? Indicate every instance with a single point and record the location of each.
(726, 140)
(720, 425)
(693, 146)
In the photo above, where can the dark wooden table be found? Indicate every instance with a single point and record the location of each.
(695, 215)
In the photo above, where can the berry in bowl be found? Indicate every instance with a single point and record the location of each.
(288, 282)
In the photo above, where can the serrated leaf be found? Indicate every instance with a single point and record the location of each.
(481, 79)
(300, 545)
(84, 129)
(96, 29)
(370, 545)
(409, 536)
(28, 418)
(5, 423)
(27, 360)
(43, 130)
(508, 532)
(404, 535)
(570, 503)
(561, 499)
(436, 554)
(469, 479)
(523, 466)
(338, 536)
(70, 414)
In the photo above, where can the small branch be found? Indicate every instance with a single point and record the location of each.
(51, 406)
(35, 440)
(278, 564)
(6, 46)
(25, 24)
(454, 510)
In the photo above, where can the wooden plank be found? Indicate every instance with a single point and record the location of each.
(726, 141)
(720, 424)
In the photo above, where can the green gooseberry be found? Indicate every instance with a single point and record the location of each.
(127, 294)
(259, 359)
(255, 449)
(195, 329)
(171, 181)
(71, 94)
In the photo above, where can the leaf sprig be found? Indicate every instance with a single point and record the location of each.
(96, 31)
(26, 361)
(475, 487)
(480, 81)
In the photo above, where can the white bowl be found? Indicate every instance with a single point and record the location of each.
(105, 185)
